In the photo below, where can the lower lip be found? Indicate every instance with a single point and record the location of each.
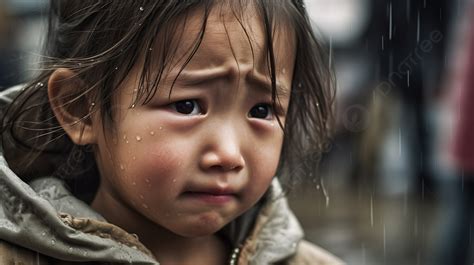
(210, 198)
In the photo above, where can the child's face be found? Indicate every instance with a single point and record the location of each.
(195, 161)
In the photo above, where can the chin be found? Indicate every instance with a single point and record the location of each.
(202, 226)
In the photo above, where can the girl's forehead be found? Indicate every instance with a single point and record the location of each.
(232, 37)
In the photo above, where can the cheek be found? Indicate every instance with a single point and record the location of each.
(157, 166)
(265, 160)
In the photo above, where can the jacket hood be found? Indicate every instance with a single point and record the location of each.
(43, 215)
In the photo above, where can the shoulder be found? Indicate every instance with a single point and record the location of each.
(308, 253)
(15, 255)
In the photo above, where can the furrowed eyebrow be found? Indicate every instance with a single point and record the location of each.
(260, 82)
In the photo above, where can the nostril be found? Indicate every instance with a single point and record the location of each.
(231, 167)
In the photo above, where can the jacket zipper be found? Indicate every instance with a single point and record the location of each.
(235, 256)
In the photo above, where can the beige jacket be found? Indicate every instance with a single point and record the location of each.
(42, 223)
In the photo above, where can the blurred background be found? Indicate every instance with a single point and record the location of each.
(397, 183)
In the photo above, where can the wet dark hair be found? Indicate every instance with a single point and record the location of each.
(102, 40)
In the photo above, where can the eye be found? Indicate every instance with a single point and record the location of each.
(187, 107)
(261, 111)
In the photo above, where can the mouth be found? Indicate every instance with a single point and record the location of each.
(211, 196)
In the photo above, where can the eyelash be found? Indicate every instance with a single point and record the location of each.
(177, 107)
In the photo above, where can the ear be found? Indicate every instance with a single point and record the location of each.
(72, 110)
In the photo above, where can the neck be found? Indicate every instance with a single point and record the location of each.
(167, 247)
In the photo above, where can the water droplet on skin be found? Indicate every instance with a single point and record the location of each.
(134, 158)
(150, 49)
(161, 127)
(273, 124)
(126, 141)
(142, 9)
(116, 67)
(147, 180)
(152, 133)
(124, 137)
(318, 187)
(145, 206)
(121, 167)
(135, 90)
(133, 106)
(174, 180)
(300, 85)
(40, 84)
(283, 71)
(134, 183)
(139, 138)
(141, 196)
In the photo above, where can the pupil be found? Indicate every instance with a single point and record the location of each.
(185, 107)
(259, 111)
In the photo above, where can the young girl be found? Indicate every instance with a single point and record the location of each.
(154, 133)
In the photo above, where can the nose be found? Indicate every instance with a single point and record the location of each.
(223, 149)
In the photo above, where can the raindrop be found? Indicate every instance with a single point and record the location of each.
(121, 167)
(40, 84)
(174, 180)
(152, 133)
(390, 24)
(85, 253)
(141, 197)
(134, 183)
(134, 157)
(384, 242)
(139, 138)
(43, 234)
(330, 50)
(53, 242)
(126, 141)
(142, 9)
(124, 137)
(145, 206)
(161, 127)
(418, 28)
(371, 211)
(326, 196)
(150, 49)
(133, 106)
(399, 142)
(69, 250)
(147, 180)
(318, 187)
(116, 67)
